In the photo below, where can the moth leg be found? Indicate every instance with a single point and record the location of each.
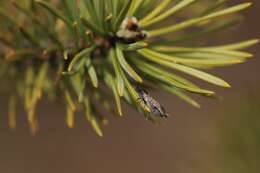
(140, 99)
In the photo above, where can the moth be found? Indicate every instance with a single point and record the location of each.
(130, 31)
(155, 107)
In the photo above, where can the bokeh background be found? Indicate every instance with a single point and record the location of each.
(222, 136)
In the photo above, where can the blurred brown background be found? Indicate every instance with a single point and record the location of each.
(186, 143)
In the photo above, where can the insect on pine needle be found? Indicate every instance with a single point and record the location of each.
(156, 109)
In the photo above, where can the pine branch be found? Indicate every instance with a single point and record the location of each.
(96, 51)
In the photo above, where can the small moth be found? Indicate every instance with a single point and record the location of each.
(130, 31)
(151, 103)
